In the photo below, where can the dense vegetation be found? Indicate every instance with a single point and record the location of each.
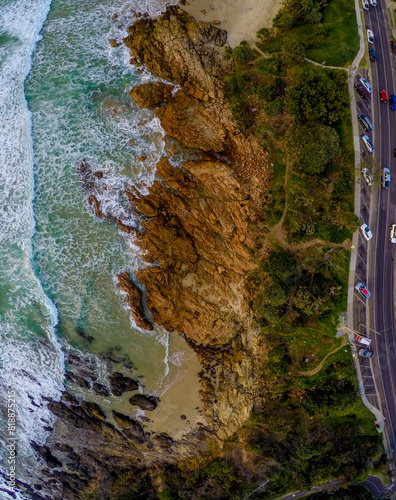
(311, 428)
(306, 428)
(300, 112)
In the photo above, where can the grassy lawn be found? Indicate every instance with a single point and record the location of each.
(341, 359)
(307, 343)
(341, 41)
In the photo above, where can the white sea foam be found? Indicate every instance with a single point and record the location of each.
(177, 358)
(80, 109)
(30, 356)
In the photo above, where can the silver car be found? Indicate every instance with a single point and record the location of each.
(368, 176)
(366, 353)
(392, 235)
(385, 177)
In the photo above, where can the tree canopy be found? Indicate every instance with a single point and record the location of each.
(314, 147)
(319, 96)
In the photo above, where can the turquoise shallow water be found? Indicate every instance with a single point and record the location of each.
(58, 262)
(77, 92)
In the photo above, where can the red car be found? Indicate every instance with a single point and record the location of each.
(384, 96)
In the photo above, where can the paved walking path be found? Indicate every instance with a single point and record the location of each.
(324, 66)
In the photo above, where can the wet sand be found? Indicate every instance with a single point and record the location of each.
(180, 406)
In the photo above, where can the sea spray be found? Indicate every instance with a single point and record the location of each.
(30, 357)
(78, 92)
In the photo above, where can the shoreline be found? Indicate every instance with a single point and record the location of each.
(181, 395)
(240, 18)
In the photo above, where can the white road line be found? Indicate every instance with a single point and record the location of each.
(384, 54)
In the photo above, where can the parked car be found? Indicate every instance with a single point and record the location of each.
(392, 102)
(384, 96)
(368, 144)
(373, 3)
(372, 54)
(366, 353)
(365, 122)
(363, 290)
(361, 91)
(385, 177)
(365, 5)
(366, 231)
(392, 46)
(368, 176)
(361, 339)
(370, 35)
(366, 85)
(392, 233)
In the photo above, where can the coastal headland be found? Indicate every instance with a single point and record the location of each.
(232, 265)
(198, 220)
(197, 235)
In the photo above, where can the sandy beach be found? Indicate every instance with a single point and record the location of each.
(240, 18)
(180, 407)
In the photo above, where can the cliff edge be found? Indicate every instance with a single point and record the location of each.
(198, 216)
(196, 233)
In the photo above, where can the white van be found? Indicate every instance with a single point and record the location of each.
(365, 5)
(362, 340)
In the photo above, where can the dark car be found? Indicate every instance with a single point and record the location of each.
(392, 46)
(361, 91)
(392, 102)
(366, 353)
(365, 122)
(372, 54)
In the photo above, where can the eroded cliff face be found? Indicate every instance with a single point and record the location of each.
(199, 215)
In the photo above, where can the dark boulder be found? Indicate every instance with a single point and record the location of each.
(144, 402)
(120, 384)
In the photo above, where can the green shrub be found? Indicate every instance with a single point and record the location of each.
(263, 34)
(279, 360)
(243, 53)
(314, 147)
(273, 108)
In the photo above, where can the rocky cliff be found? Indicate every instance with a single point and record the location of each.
(196, 234)
(199, 215)
(197, 222)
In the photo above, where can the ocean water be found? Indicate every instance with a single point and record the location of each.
(63, 99)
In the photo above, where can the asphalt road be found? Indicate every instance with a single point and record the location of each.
(378, 316)
(376, 488)
(372, 483)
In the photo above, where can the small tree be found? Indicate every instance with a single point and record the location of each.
(263, 34)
